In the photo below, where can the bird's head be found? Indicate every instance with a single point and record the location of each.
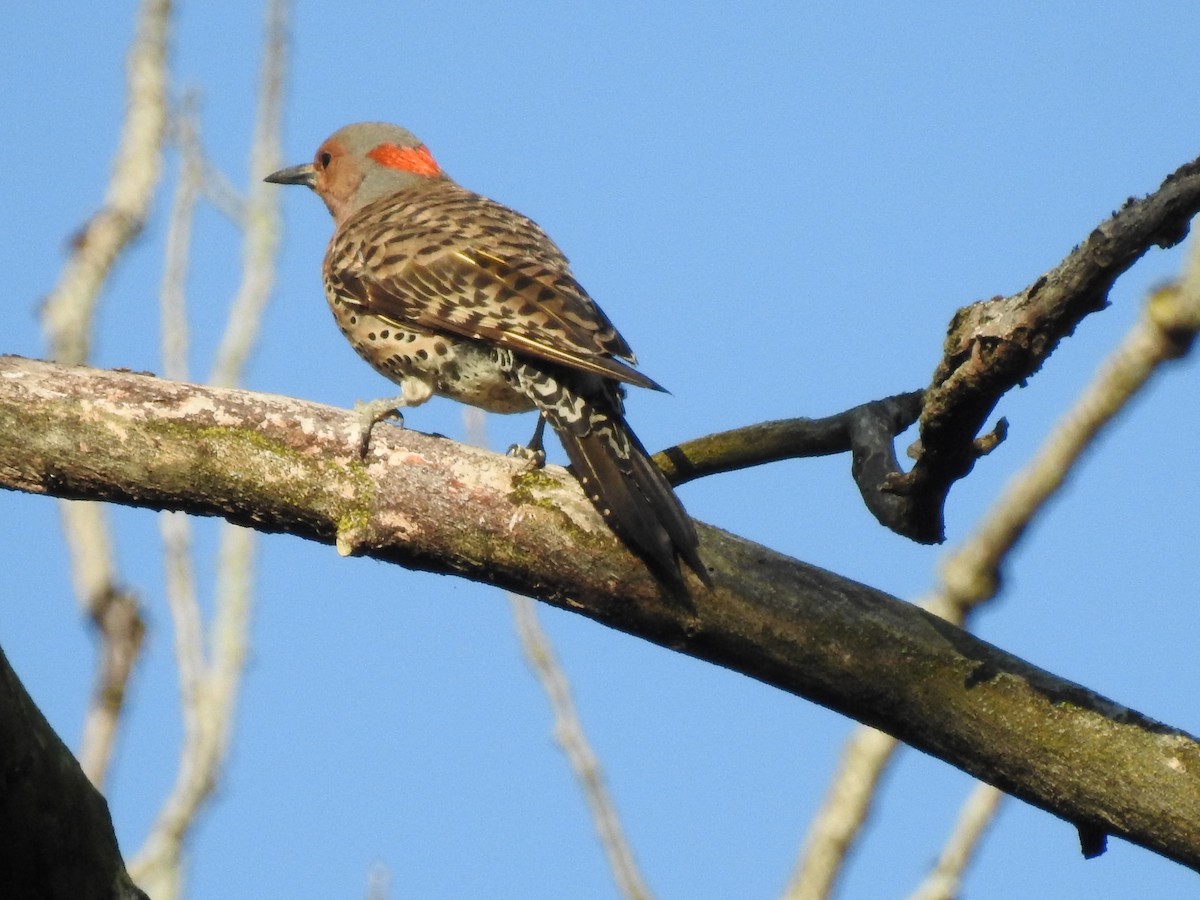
(361, 163)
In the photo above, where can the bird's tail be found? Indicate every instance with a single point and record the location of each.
(628, 490)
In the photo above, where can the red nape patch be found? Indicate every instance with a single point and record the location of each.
(417, 160)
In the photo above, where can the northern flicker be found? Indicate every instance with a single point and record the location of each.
(447, 292)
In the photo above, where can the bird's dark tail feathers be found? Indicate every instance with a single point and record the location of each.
(630, 491)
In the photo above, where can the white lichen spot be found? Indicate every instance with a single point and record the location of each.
(200, 406)
(307, 425)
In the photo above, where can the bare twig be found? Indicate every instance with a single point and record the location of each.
(119, 620)
(179, 241)
(867, 431)
(67, 314)
(261, 232)
(225, 198)
(837, 824)
(208, 694)
(769, 442)
(568, 731)
(568, 728)
(156, 867)
(67, 319)
(175, 527)
(978, 813)
(209, 688)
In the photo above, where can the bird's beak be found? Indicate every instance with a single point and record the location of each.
(305, 175)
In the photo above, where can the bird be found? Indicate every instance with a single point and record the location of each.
(446, 292)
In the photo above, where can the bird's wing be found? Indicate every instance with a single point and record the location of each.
(502, 282)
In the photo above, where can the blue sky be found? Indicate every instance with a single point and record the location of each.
(780, 205)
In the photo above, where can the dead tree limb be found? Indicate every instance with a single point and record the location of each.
(281, 465)
(994, 345)
(867, 432)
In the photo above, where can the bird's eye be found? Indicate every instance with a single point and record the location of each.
(324, 159)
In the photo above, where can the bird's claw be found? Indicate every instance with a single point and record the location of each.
(371, 414)
(534, 457)
(534, 454)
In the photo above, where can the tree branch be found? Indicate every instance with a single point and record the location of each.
(971, 576)
(569, 735)
(994, 345)
(867, 431)
(67, 317)
(58, 836)
(833, 832)
(282, 465)
(978, 814)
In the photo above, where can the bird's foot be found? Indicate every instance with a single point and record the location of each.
(535, 453)
(534, 459)
(371, 414)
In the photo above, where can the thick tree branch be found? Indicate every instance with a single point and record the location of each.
(58, 839)
(425, 502)
(994, 345)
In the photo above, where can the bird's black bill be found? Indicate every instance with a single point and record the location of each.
(304, 175)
